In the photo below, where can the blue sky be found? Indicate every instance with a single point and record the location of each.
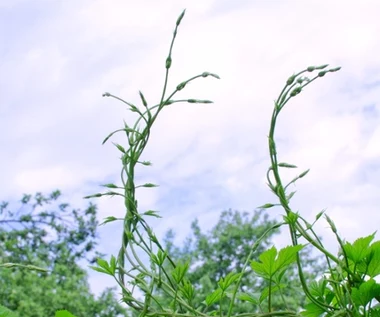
(58, 57)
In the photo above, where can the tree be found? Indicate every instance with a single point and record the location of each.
(224, 249)
(45, 232)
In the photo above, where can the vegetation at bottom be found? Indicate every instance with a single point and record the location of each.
(232, 270)
(42, 243)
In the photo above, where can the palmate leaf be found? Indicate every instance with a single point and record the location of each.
(187, 290)
(373, 268)
(358, 250)
(227, 281)
(312, 310)
(287, 256)
(364, 256)
(366, 292)
(214, 297)
(319, 289)
(272, 263)
(180, 271)
(104, 267)
(265, 269)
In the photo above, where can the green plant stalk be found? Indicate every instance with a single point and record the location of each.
(136, 148)
(249, 257)
(283, 298)
(270, 314)
(270, 295)
(278, 189)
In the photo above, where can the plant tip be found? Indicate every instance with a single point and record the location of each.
(322, 66)
(180, 17)
(181, 86)
(206, 74)
(295, 91)
(335, 69)
(290, 80)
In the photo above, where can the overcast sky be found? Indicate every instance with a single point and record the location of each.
(57, 58)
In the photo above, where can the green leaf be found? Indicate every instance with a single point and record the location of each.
(291, 218)
(161, 256)
(143, 99)
(110, 186)
(146, 163)
(109, 219)
(120, 148)
(187, 290)
(149, 185)
(312, 310)
(318, 288)
(214, 297)
(248, 298)
(152, 213)
(113, 264)
(287, 165)
(287, 256)
(63, 313)
(198, 101)
(366, 292)
(99, 269)
(180, 271)
(271, 263)
(231, 277)
(133, 108)
(373, 264)
(358, 250)
(102, 263)
(154, 259)
(104, 267)
(266, 267)
(266, 206)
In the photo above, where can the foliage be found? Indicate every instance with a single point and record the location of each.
(5, 312)
(224, 250)
(43, 241)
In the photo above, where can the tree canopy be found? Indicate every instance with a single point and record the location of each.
(47, 233)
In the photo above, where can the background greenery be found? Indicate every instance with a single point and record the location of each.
(46, 232)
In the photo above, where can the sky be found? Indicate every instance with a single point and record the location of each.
(57, 58)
